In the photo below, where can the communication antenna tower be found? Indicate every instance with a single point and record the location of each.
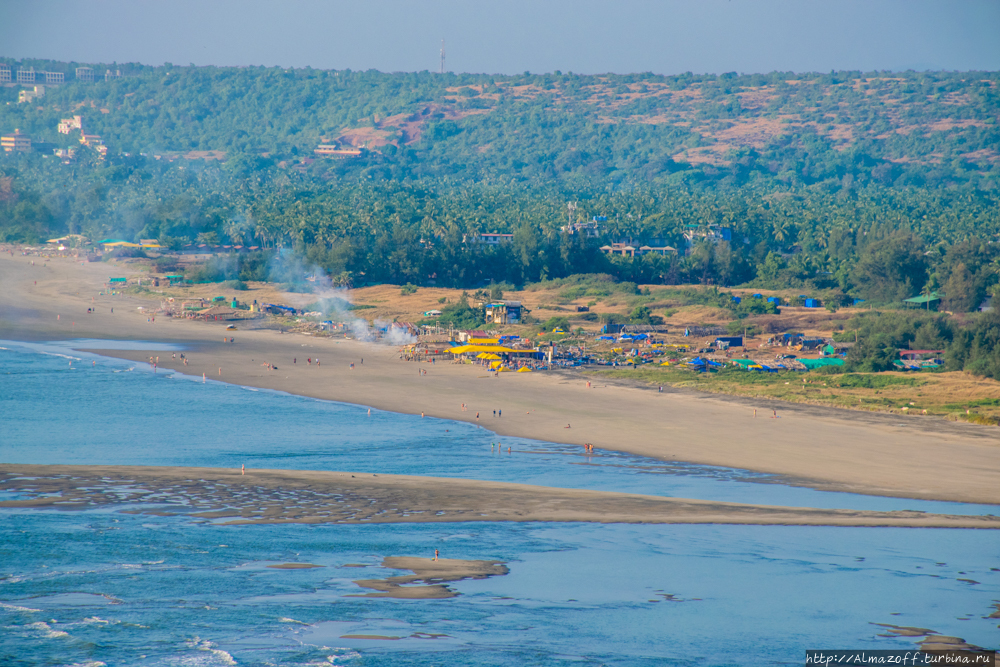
(442, 56)
(572, 211)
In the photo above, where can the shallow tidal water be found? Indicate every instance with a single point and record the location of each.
(99, 586)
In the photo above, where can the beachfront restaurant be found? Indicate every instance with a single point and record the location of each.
(497, 357)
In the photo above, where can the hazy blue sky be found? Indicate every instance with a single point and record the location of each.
(664, 36)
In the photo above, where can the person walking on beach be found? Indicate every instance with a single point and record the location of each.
(243, 469)
(500, 413)
(477, 416)
(494, 413)
(435, 554)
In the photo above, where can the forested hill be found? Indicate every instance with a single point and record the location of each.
(903, 129)
(859, 185)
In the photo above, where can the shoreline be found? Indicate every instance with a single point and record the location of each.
(227, 497)
(822, 448)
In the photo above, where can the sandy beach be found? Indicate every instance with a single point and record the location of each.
(822, 448)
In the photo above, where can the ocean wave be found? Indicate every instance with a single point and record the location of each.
(14, 607)
(64, 356)
(221, 657)
(343, 657)
(291, 620)
(47, 630)
(94, 620)
(96, 663)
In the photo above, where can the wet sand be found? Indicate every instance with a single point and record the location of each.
(827, 449)
(434, 574)
(228, 497)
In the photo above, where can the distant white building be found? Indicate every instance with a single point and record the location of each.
(590, 229)
(16, 143)
(632, 249)
(495, 239)
(67, 125)
(30, 95)
(711, 233)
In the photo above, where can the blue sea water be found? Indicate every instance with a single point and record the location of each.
(99, 586)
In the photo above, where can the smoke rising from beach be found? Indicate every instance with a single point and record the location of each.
(296, 274)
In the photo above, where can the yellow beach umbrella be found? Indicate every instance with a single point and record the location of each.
(490, 355)
(524, 369)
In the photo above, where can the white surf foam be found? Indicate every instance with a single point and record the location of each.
(219, 656)
(46, 630)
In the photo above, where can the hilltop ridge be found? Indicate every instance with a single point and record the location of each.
(905, 128)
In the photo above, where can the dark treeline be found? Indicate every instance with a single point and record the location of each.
(973, 347)
(876, 243)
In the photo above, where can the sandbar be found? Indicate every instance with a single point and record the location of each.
(228, 497)
(434, 574)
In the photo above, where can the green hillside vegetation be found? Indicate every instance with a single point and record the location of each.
(848, 185)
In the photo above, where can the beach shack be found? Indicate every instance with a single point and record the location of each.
(504, 312)
(117, 282)
(791, 338)
(218, 314)
(925, 301)
(277, 309)
(917, 359)
(726, 342)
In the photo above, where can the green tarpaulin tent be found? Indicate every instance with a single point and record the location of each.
(812, 364)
